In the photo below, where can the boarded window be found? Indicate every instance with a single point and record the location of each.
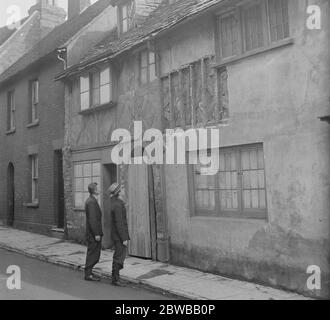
(229, 35)
(196, 94)
(237, 189)
(251, 26)
(85, 173)
(278, 19)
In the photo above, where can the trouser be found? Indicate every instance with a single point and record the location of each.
(93, 255)
(119, 257)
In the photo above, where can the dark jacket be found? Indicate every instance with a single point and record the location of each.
(93, 218)
(119, 228)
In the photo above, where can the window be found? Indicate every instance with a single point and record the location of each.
(34, 178)
(34, 87)
(237, 190)
(85, 173)
(95, 89)
(252, 26)
(10, 111)
(147, 66)
(126, 16)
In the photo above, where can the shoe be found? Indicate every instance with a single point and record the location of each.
(118, 284)
(92, 278)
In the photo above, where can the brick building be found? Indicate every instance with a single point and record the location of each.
(250, 68)
(32, 119)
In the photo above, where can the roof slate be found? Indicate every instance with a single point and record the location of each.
(163, 18)
(55, 39)
(5, 32)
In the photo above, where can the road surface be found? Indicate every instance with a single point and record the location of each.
(45, 281)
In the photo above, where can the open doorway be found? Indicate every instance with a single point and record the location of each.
(59, 189)
(10, 195)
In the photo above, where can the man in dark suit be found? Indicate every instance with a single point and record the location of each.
(119, 231)
(93, 233)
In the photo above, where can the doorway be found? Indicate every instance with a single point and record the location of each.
(141, 220)
(59, 189)
(10, 195)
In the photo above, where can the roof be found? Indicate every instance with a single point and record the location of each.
(163, 18)
(6, 33)
(55, 39)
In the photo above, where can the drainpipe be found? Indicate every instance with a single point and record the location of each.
(60, 53)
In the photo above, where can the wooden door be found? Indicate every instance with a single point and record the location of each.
(138, 213)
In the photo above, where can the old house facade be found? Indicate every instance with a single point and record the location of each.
(250, 68)
(32, 122)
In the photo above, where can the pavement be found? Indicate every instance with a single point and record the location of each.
(183, 282)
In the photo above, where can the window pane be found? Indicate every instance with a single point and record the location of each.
(96, 97)
(261, 179)
(262, 199)
(96, 169)
(78, 170)
(79, 187)
(247, 199)
(144, 59)
(84, 100)
(87, 170)
(144, 75)
(105, 94)
(87, 182)
(105, 76)
(96, 80)
(152, 74)
(84, 83)
(79, 199)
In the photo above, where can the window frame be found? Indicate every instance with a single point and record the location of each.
(240, 212)
(130, 8)
(241, 32)
(11, 109)
(34, 163)
(74, 178)
(148, 67)
(34, 102)
(89, 76)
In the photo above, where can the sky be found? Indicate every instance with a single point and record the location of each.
(23, 7)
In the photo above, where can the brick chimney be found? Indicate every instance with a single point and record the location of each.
(51, 15)
(75, 7)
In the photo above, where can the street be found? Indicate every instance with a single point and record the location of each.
(44, 281)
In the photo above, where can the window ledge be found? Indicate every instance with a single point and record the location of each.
(78, 209)
(31, 205)
(260, 221)
(12, 131)
(98, 108)
(276, 45)
(33, 124)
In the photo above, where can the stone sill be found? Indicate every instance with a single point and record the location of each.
(59, 230)
(276, 45)
(12, 131)
(31, 205)
(33, 124)
(98, 108)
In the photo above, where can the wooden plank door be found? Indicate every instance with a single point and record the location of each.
(138, 213)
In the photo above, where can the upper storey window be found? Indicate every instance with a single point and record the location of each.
(126, 16)
(251, 26)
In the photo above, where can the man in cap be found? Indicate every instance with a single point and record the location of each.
(119, 230)
(93, 232)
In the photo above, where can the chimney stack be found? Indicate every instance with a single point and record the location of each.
(51, 15)
(75, 7)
